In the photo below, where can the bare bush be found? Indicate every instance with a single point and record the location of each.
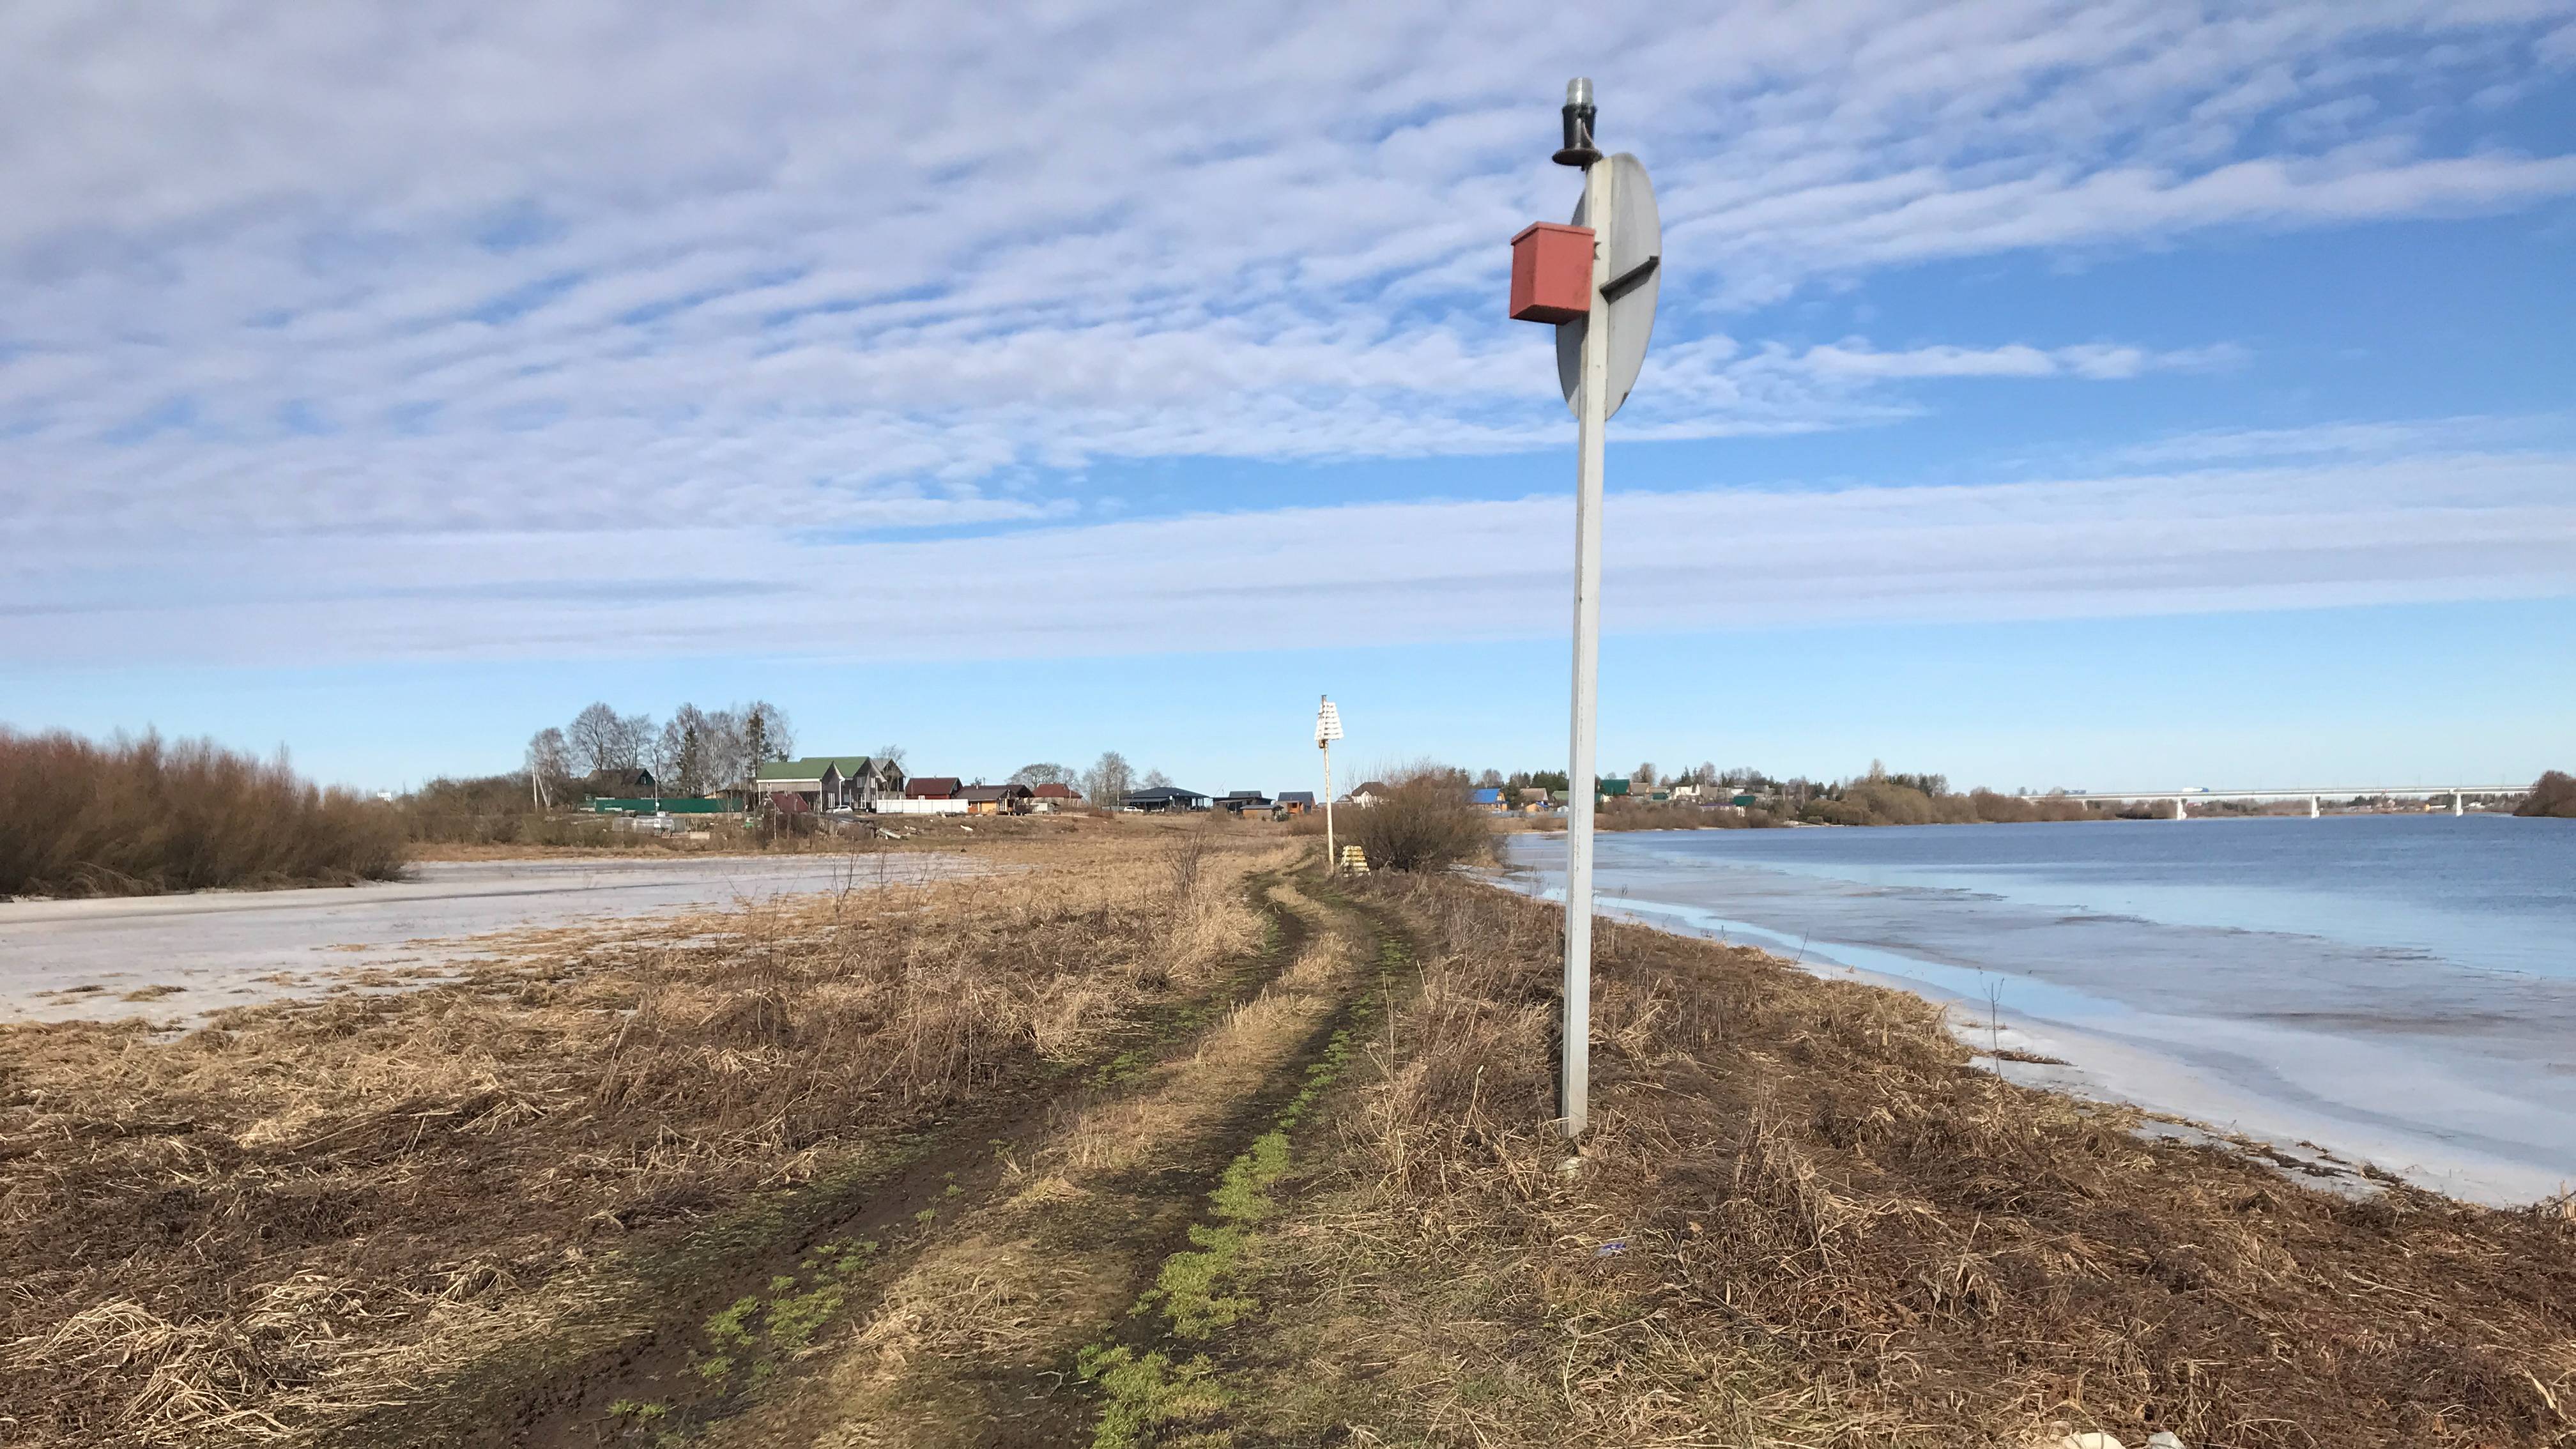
(2553, 794)
(1424, 822)
(142, 816)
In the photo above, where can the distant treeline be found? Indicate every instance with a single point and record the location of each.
(1884, 797)
(2553, 794)
(143, 816)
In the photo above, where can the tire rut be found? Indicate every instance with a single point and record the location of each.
(562, 1397)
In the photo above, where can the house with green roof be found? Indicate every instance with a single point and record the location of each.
(832, 782)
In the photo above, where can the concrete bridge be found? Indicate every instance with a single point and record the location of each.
(2316, 797)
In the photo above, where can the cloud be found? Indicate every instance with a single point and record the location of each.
(2415, 527)
(1855, 359)
(780, 250)
(381, 332)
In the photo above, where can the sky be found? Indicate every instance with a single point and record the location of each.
(2123, 395)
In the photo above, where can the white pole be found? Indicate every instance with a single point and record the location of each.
(1332, 861)
(1574, 1083)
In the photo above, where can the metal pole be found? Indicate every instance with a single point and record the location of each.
(1574, 1081)
(1332, 860)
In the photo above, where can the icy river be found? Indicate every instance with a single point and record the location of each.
(2397, 989)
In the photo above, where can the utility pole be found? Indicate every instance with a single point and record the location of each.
(1597, 281)
(1328, 728)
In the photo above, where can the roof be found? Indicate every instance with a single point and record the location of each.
(933, 787)
(993, 794)
(1163, 792)
(1373, 787)
(1614, 787)
(1051, 790)
(1296, 797)
(807, 769)
(1486, 797)
(1245, 795)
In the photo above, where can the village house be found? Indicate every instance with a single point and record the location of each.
(995, 799)
(1238, 801)
(934, 787)
(1297, 802)
(866, 779)
(831, 782)
(1052, 796)
(627, 783)
(1368, 794)
(1160, 798)
(812, 784)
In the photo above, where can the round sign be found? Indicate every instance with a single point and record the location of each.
(1636, 275)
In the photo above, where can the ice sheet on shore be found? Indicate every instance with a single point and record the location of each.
(175, 958)
(2459, 1079)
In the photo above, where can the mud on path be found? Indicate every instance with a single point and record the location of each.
(941, 1292)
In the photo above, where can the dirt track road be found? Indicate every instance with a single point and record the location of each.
(177, 957)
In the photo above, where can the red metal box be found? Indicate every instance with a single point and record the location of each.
(1551, 273)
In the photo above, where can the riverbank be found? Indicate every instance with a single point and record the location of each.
(2390, 995)
(1172, 1140)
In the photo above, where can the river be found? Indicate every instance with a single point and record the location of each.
(2396, 989)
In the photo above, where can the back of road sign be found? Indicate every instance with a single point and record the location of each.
(1636, 237)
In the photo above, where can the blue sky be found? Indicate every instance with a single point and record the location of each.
(2120, 394)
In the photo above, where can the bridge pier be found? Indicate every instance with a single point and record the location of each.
(2178, 815)
(2314, 810)
(2455, 803)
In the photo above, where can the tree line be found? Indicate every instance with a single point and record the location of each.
(694, 752)
(706, 752)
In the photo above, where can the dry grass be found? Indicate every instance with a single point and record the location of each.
(140, 816)
(980, 1325)
(1824, 1225)
(274, 1222)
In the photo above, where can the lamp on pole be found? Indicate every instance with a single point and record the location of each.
(1596, 280)
(1328, 728)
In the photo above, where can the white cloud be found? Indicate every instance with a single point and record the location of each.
(408, 331)
(1855, 359)
(936, 245)
(2411, 528)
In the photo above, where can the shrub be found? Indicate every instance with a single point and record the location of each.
(2553, 794)
(1425, 822)
(141, 816)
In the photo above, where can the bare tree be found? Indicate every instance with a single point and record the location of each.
(593, 738)
(766, 726)
(635, 737)
(721, 746)
(680, 754)
(1490, 780)
(1041, 773)
(1642, 775)
(1109, 781)
(549, 761)
(1157, 780)
(891, 752)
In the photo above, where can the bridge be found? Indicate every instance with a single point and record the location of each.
(2316, 796)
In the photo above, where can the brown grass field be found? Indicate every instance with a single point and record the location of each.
(1168, 1140)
